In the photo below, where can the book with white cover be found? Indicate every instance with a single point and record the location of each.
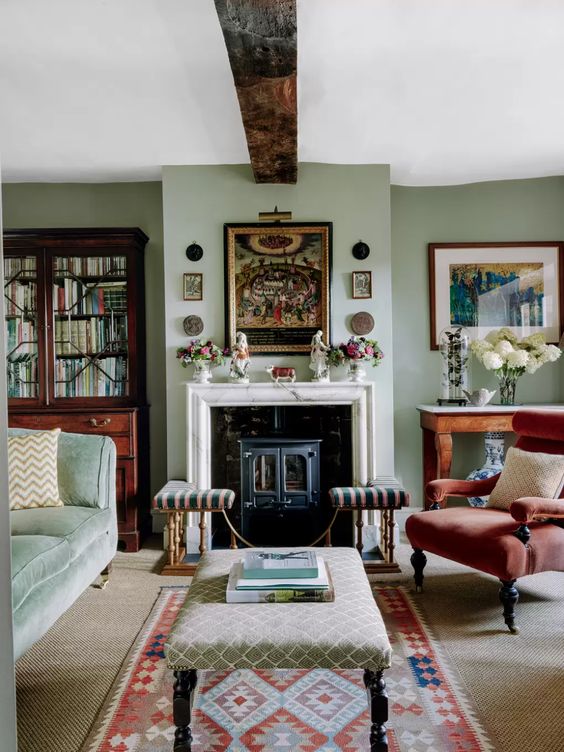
(270, 564)
(277, 595)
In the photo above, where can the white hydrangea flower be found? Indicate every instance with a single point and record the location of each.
(532, 366)
(533, 341)
(492, 360)
(518, 359)
(506, 333)
(492, 337)
(504, 348)
(479, 347)
(553, 353)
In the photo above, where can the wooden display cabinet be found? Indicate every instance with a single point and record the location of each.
(75, 343)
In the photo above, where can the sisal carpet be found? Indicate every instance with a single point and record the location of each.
(298, 710)
(516, 681)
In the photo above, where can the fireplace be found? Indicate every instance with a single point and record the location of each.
(280, 490)
(209, 463)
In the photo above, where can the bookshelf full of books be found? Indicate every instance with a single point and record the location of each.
(74, 324)
(280, 577)
(20, 326)
(90, 317)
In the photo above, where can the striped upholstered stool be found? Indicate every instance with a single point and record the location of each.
(179, 497)
(372, 497)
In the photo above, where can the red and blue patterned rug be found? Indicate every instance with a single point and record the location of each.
(292, 711)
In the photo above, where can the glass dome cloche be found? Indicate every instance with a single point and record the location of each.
(454, 346)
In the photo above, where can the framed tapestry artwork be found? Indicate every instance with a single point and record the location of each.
(361, 285)
(193, 286)
(484, 286)
(278, 284)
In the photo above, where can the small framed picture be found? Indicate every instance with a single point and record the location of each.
(193, 286)
(362, 285)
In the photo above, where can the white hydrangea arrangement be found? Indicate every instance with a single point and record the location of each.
(503, 352)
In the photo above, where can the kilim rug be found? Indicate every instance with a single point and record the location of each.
(292, 711)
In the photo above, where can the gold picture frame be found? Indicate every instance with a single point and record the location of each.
(193, 286)
(361, 285)
(278, 280)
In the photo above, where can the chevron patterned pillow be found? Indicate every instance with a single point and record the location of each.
(32, 470)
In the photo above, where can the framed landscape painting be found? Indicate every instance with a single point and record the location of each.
(278, 284)
(484, 286)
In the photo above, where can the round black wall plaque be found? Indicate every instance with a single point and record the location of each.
(360, 250)
(194, 252)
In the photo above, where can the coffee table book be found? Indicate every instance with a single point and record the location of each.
(314, 590)
(269, 565)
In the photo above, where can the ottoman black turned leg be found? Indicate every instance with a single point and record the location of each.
(378, 704)
(183, 698)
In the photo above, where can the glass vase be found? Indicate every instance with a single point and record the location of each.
(202, 371)
(507, 385)
(494, 445)
(355, 371)
(454, 346)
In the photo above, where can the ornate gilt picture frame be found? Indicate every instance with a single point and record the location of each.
(278, 279)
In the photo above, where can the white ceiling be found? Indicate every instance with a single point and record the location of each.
(445, 91)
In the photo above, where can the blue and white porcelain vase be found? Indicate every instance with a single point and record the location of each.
(494, 444)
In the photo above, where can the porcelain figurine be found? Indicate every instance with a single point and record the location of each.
(318, 358)
(278, 373)
(479, 397)
(240, 360)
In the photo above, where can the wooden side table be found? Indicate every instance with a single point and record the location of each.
(439, 423)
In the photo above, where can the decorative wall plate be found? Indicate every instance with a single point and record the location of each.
(194, 252)
(193, 325)
(360, 250)
(362, 323)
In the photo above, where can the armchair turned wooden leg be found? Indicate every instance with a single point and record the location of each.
(378, 704)
(509, 595)
(104, 577)
(418, 561)
(182, 702)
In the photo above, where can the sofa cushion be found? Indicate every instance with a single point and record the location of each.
(79, 526)
(32, 470)
(35, 559)
(528, 474)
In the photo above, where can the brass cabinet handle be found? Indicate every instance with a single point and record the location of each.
(104, 422)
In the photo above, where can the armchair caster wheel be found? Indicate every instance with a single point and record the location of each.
(513, 629)
(419, 588)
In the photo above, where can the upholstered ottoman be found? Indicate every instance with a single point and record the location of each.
(179, 497)
(209, 633)
(377, 498)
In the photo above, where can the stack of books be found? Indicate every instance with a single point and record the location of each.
(269, 577)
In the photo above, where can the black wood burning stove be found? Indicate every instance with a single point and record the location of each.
(280, 490)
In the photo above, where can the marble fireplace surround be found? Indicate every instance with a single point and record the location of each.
(201, 398)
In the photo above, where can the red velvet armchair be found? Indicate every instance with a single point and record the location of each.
(526, 540)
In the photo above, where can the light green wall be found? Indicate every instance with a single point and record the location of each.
(110, 205)
(7, 680)
(528, 210)
(198, 200)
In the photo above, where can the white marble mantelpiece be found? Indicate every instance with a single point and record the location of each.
(201, 398)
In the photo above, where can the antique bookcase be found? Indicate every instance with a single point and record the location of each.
(75, 335)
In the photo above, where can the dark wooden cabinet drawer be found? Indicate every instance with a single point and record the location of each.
(105, 424)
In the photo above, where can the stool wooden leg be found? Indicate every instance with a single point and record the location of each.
(233, 546)
(178, 518)
(182, 702)
(378, 704)
(384, 532)
(202, 527)
(390, 536)
(171, 530)
(359, 525)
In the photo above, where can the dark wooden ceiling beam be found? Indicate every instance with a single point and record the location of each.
(261, 40)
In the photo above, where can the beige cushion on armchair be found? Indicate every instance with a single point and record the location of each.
(32, 470)
(528, 474)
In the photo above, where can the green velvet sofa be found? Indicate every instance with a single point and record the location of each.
(57, 552)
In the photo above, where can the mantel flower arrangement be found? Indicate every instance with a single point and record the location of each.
(509, 357)
(355, 352)
(202, 355)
